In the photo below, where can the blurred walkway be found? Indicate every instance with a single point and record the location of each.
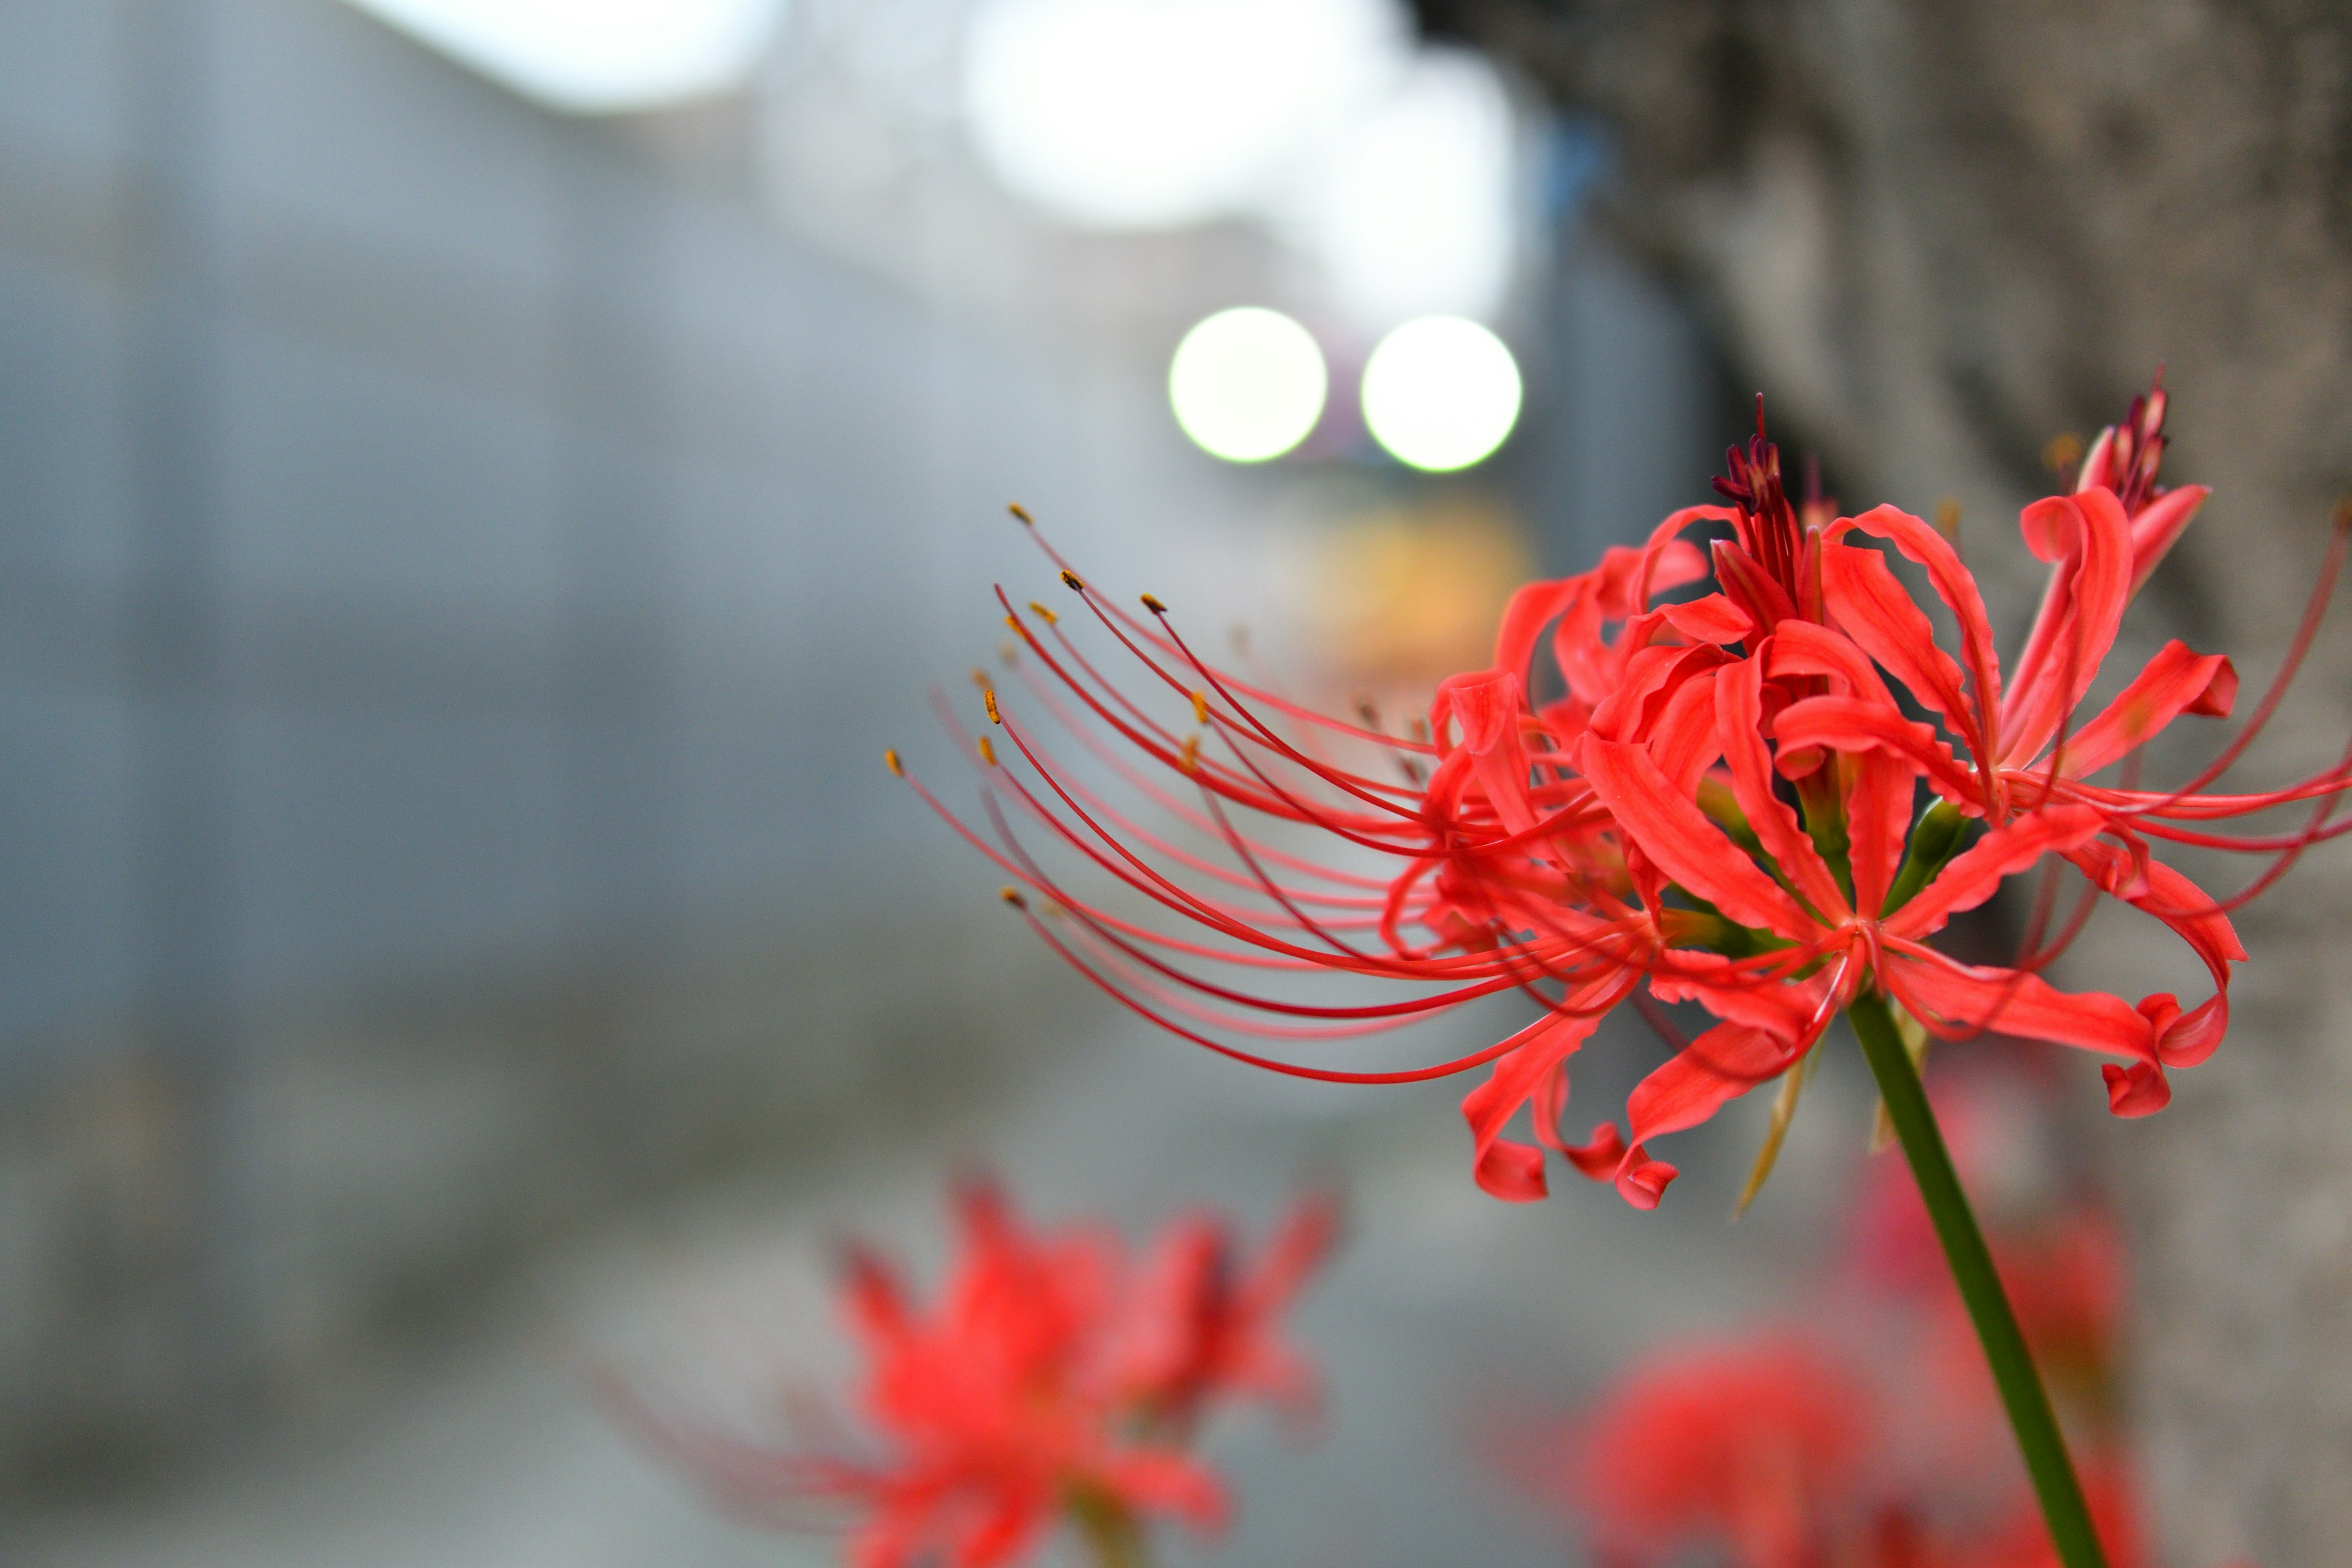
(488, 1453)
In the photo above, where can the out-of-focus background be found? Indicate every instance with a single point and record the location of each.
(483, 481)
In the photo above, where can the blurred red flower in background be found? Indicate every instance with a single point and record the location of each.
(1203, 1329)
(1052, 1380)
(1715, 801)
(1862, 1432)
(1757, 1443)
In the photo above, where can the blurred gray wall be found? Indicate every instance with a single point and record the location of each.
(459, 570)
(428, 522)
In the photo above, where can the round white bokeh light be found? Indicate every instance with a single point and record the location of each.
(1441, 394)
(1247, 385)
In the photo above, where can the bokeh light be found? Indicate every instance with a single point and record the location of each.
(1247, 383)
(595, 56)
(1139, 114)
(1441, 392)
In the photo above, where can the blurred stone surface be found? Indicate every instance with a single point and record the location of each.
(1938, 235)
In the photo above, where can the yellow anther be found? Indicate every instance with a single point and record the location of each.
(2064, 450)
(1049, 617)
(987, 752)
(898, 769)
(1011, 895)
(1154, 605)
(1200, 707)
(980, 678)
(1948, 517)
(988, 700)
(1072, 579)
(1017, 509)
(1012, 625)
(1190, 760)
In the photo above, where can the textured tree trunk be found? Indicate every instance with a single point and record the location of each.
(1939, 234)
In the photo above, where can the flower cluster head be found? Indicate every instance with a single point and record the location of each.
(1054, 1378)
(1747, 777)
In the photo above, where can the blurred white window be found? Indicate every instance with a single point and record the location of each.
(595, 56)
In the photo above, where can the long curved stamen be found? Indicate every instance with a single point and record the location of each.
(1271, 740)
(1325, 1074)
(1137, 833)
(1174, 806)
(1268, 698)
(2306, 631)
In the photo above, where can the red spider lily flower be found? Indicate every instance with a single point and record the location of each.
(1759, 1447)
(1721, 806)
(1050, 1381)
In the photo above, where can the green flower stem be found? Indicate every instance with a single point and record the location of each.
(2029, 1415)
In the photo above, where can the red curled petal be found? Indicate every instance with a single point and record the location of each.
(1739, 718)
(1641, 1181)
(1711, 619)
(1533, 607)
(1598, 1159)
(1807, 647)
(1665, 560)
(1878, 818)
(1487, 705)
(1975, 873)
(2079, 619)
(1856, 724)
(2221, 693)
(1874, 608)
(1955, 998)
(1697, 1081)
(1954, 585)
(1683, 738)
(2155, 889)
(1688, 847)
(2139, 1089)
(1512, 1171)
(1762, 1001)
(2178, 680)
